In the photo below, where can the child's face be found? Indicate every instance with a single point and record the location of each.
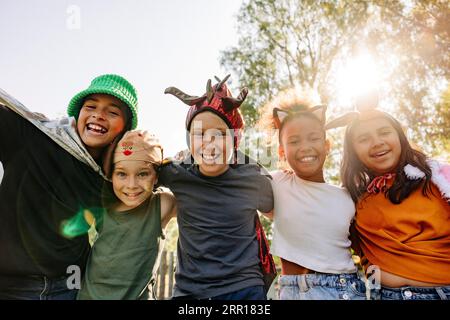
(305, 147)
(101, 119)
(377, 145)
(133, 182)
(211, 143)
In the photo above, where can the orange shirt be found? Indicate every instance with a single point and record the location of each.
(411, 239)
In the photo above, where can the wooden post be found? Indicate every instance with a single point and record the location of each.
(171, 273)
(162, 276)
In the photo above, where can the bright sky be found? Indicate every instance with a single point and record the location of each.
(46, 57)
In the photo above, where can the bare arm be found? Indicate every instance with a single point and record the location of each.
(168, 208)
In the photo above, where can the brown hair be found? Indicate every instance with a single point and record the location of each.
(356, 177)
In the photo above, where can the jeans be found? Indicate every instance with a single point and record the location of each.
(250, 293)
(322, 286)
(35, 288)
(411, 293)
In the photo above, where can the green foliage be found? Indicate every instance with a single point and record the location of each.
(288, 43)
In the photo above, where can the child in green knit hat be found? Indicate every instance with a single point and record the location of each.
(103, 111)
(53, 171)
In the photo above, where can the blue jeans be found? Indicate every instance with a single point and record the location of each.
(322, 286)
(250, 293)
(411, 293)
(35, 288)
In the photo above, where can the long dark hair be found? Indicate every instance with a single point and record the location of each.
(356, 176)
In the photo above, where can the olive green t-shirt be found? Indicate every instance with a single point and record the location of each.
(125, 257)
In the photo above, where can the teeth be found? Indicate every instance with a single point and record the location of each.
(96, 127)
(308, 159)
(132, 194)
(381, 153)
(209, 157)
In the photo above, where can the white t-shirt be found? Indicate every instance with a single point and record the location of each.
(311, 224)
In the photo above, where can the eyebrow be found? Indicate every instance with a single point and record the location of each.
(96, 100)
(368, 133)
(309, 134)
(385, 127)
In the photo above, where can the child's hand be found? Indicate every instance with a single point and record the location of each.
(37, 116)
(182, 155)
(148, 137)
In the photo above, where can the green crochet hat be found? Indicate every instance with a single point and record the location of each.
(111, 84)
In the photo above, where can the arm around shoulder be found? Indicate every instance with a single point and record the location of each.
(168, 208)
(11, 132)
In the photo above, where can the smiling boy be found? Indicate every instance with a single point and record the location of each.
(218, 197)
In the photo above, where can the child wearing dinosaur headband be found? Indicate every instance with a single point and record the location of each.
(222, 251)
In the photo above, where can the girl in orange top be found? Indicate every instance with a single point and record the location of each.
(402, 222)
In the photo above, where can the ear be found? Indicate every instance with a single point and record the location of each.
(327, 145)
(342, 121)
(278, 117)
(319, 111)
(281, 154)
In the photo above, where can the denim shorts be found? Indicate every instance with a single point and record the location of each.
(322, 286)
(411, 293)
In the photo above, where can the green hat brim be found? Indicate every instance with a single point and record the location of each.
(76, 103)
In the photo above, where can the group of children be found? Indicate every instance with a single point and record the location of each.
(394, 203)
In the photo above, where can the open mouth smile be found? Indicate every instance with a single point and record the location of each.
(379, 154)
(210, 157)
(96, 129)
(307, 159)
(132, 195)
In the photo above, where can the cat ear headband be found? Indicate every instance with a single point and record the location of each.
(280, 114)
(366, 109)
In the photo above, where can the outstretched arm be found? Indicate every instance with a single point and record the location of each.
(11, 133)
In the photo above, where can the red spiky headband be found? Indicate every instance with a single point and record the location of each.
(218, 100)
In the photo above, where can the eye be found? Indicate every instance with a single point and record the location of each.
(293, 142)
(89, 107)
(114, 113)
(363, 140)
(385, 133)
(120, 174)
(143, 174)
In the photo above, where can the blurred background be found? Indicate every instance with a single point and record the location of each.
(338, 50)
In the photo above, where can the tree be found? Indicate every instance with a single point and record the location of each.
(288, 43)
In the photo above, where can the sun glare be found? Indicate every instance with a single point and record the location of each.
(355, 77)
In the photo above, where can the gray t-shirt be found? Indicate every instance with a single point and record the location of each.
(217, 245)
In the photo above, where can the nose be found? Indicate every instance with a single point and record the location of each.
(131, 182)
(99, 114)
(210, 140)
(377, 141)
(305, 147)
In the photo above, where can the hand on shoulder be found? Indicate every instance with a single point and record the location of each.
(168, 207)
